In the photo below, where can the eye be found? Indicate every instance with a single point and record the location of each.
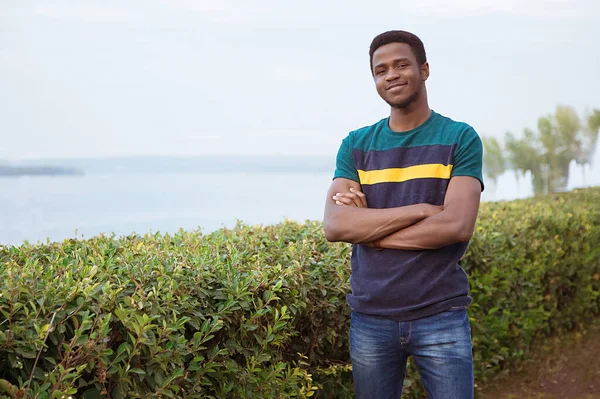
(379, 72)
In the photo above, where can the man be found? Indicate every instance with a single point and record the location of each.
(406, 193)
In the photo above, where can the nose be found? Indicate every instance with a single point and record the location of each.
(392, 74)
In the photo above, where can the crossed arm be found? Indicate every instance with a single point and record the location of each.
(413, 227)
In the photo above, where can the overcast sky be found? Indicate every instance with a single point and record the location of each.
(192, 77)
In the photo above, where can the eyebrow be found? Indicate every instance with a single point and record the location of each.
(394, 61)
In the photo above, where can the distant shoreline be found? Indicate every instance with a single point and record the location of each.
(173, 164)
(16, 171)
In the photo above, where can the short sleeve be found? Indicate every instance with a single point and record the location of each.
(468, 157)
(344, 162)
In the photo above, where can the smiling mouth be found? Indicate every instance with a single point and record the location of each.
(396, 85)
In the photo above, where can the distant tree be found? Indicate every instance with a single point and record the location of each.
(547, 154)
(591, 135)
(494, 164)
(561, 137)
(525, 154)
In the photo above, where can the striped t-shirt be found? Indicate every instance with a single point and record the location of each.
(399, 169)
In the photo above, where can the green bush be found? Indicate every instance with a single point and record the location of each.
(260, 312)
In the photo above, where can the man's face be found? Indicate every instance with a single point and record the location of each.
(399, 78)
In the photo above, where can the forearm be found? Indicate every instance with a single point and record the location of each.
(454, 224)
(356, 225)
(434, 232)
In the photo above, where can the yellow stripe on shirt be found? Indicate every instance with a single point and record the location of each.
(397, 175)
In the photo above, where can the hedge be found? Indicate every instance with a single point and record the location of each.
(260, 312)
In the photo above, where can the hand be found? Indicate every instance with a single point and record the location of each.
(353, 198)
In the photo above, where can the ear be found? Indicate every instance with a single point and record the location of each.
(425, 71)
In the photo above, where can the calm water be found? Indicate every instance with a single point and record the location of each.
(37, 208)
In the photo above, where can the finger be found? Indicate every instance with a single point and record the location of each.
(354, 198)
(345, 195)
(340, 200)
(361, 196)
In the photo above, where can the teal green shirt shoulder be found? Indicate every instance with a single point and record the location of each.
(437, 131)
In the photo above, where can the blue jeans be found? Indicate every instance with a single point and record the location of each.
(440, 346)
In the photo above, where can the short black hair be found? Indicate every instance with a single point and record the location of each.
(399, 36)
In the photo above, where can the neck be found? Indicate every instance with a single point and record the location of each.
(404, 119)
